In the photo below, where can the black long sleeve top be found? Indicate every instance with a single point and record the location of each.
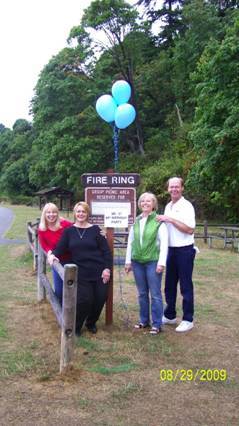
(89, 250)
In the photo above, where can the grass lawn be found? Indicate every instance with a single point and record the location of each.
(119, 377)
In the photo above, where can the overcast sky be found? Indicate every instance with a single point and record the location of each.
(31, 32)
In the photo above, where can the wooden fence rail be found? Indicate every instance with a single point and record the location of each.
(65, 315)
(227, 233)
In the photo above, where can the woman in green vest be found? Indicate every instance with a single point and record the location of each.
(146, 255)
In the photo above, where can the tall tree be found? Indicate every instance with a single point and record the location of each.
(16, 146)
(224, 5)
(114, 20)
(215, 175)
(168, 16)
(202, 24)
(63, 89)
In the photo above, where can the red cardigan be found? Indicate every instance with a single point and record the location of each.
(49, 239)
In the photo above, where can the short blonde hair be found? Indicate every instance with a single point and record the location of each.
(152, 196)
(85, 206)
(43, 225)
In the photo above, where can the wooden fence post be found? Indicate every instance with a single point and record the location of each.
(36, 244)
(68, 314)
(109, 302)
(41, 269)
(205, 231)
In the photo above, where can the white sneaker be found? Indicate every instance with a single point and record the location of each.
(169, 321)
(184, 326)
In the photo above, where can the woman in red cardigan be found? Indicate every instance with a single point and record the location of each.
(50, 231)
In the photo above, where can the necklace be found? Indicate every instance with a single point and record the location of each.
(81, 234)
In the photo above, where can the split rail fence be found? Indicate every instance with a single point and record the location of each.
(65, 314)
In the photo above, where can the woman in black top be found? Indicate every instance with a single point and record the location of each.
(89, 250)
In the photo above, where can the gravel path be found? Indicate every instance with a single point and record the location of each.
(6, 219)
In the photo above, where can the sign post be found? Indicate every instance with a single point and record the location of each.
(112, 201)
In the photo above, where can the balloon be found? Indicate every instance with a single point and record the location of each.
(106, 107)
(121, 91)
(124, 116)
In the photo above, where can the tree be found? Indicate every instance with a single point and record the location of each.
(202, 24)
(69, 148)
(115, 19)
(2, 128)
(16, 148)
(168, 16)
(63, 89)
(224, 5)
(215, 174)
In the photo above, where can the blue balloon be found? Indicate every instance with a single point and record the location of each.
(124, 115)
(106, 107)
(121, 91)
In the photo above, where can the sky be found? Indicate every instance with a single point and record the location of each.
(31, 32)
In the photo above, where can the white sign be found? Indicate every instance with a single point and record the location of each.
(116, 217)
(101, 208)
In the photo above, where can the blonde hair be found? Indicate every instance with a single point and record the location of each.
(152, 196)
(85, 206)
(43, 225)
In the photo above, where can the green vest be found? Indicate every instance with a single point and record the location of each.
(148, 251)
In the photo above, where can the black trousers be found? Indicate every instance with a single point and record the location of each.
(91, 297)
(179, 267)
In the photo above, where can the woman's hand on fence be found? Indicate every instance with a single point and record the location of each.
(128, 268)
(51, 258)
(105, 275)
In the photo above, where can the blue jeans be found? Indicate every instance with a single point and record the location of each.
(148, 283)
(58, 285)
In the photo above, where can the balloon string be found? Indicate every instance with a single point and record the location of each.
(116, 147)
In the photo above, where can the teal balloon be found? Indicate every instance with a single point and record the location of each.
(121, 91)
(124, 115)
(106, 107)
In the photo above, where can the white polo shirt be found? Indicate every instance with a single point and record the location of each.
(183, 211)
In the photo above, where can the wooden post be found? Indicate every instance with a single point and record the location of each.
(41, 269)
(68, 314)
(205, 229)
(29, 234)
(109, 303)
(35, 244)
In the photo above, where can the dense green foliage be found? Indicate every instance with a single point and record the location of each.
(184, 77)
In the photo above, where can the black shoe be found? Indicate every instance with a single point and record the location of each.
(92, 328)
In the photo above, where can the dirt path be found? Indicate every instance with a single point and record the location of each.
(6, 219)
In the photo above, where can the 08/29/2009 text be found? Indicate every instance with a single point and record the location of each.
(189, 375)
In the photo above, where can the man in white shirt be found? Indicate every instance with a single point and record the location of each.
(179, 215)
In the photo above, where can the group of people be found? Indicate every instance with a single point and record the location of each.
(82, 244)
(159, 241)
(155, 243)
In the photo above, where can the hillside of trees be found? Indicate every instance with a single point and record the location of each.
(181, 59)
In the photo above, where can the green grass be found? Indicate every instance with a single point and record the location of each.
(87, 344)
(116, 369)
(12, 363)
(3, 330)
